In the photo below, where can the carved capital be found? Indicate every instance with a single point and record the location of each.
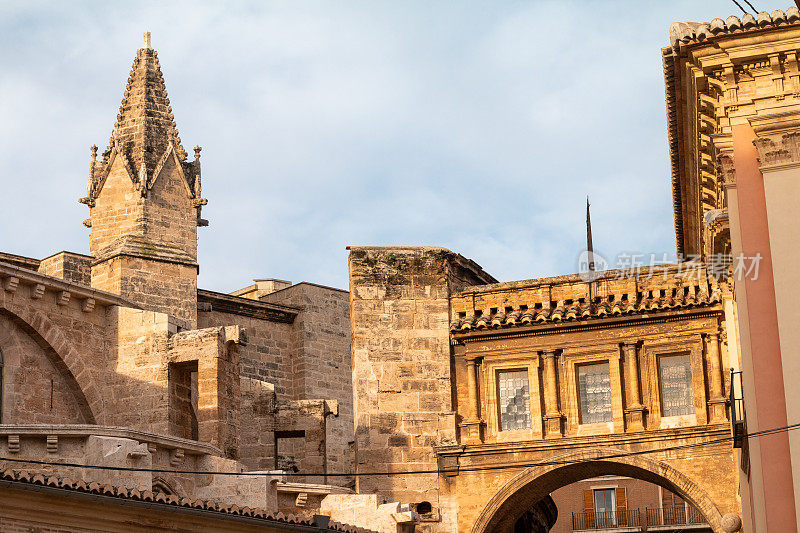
(726, 172)
(777, 151)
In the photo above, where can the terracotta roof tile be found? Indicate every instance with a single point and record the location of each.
(38, 478)
(646, 301)
(684, 33)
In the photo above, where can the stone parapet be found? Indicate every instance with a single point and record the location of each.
(565, 298)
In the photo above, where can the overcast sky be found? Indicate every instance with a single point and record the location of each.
(478, 126)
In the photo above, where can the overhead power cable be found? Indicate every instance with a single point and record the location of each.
(739, 6)
(457, 470)
(755, 11)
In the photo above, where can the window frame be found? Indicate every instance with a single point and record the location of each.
(579, 410)
(690, 409)
(498, 393)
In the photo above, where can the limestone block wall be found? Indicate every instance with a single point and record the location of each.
(370, 511)
(399, 305)
(258, 406)
(162, 286)
(64, 331)
(34, 391)
(147, 345)
(118, 210)
(68, 266)
(268, 354)
(320, 365)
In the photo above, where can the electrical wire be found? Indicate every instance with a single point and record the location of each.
(755, 11)
(739, 6)
(458, 470)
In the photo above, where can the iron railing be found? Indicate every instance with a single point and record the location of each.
(674, 516)
(738, 426)
(605, 519)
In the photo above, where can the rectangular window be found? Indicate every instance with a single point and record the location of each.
(676, 385)
(604, 508)
(515, 402)
(594, 391)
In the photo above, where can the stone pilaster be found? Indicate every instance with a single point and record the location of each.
(471, 426)
(717, 400)
(553, 418)
(635, 412)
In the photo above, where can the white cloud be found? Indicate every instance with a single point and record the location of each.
(477, 126)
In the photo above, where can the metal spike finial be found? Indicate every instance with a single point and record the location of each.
(146, 38)
(589, 247)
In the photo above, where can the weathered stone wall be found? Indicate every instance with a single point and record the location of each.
(34, 391)
(401, 364)
(258, 407)
(269, 350)
(157, 285)
(69, 325)
(147, 345)
(169, 217)
(320, 363)
(68, 266)
(118, 210)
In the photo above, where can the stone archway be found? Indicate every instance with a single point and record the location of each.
(63, 355)
(530, 486)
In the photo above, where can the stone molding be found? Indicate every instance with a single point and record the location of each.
(190, 447)
(14, 275)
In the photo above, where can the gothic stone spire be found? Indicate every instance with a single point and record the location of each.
(145, 133)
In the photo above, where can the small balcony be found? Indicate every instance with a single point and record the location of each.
(622, 520)
(682, 518)
(666, 518)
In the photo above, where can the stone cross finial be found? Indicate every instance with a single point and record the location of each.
(146, 38)
(197, 150)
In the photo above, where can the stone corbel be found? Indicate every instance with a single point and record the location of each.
(13, 444)
(11, 283)
(731, 88)
(176, 457)
(63, 297)
(37, 291)
(88, 305)
(794, 74)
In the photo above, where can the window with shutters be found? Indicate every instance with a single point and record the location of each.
(605, 507)
(514, 399)
(594, 392)
(675, 373)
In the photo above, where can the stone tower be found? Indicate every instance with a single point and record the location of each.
(144, 201)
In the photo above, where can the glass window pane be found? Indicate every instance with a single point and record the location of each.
(676, 385)
(604, 507)
(515, 403)
(594, 391)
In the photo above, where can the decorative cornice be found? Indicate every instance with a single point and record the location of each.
(688, 33)
(14, 275)
(225, 303)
